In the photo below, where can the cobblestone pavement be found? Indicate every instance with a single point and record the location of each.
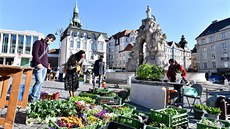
(54, 86)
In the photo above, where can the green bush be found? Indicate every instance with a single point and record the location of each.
(148, 72)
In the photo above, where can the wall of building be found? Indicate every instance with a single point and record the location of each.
(16, 46)
(214, 51)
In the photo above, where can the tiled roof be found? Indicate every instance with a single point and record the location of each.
(171, 42)
(129, 47)
(194, 50)
(215, 27)
(121, 34)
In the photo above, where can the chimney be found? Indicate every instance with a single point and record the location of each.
(214, 21)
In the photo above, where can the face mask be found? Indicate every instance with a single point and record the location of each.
(49, 42)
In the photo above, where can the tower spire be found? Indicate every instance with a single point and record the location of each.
(75, 20)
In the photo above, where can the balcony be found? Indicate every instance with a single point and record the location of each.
(224, 58)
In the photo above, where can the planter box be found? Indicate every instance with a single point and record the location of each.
(151, 96)
(198, 114)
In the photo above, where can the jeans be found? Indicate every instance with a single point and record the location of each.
(99, 81)
(35, 90)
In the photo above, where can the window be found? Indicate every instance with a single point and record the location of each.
(71, 44)
(78, 44)
(5, 43)
(20, 43)
(101, 44)
(205, 65)
(205, 56)
(214, 64)
(84, 44)
(35, 38)
(204, 49)
(1, 60)
(223, 36)
(28, 44)
(211, 39)
(212, 47)
(13, 43)
(202, 41)
(225, 54)
(213, 56)
(224, 45)
(226, 64)
(93, 45)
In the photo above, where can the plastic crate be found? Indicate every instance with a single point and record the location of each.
(130, 122)
(150, 127)
(115, 125)
(204, 126)
(54, 125)
(86, 94)
(108, 100)
(115, 109)
(170, 120)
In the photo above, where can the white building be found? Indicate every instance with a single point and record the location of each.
(179, 52)
(119, 47)
(74, 39)
(16, 46)
(213, 48)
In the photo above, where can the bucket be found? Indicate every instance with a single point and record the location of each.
(103, 84)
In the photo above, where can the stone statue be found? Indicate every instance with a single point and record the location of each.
(148, 12)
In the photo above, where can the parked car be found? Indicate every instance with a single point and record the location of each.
(216, 79)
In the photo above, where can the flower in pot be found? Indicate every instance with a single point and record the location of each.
(213, 112)
(199, 110)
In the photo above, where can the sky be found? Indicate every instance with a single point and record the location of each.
(176, 17)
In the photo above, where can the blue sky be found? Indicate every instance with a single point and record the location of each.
(176, 17)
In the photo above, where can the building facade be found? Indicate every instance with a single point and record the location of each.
(119, 47)
(16, 46)
(179, 52)
(213, 48)
(74, 39)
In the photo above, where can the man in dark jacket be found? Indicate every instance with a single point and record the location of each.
(40, 64)
(98, 71)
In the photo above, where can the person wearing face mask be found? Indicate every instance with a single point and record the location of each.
(73, 68)
(98, 71)
(40, 64)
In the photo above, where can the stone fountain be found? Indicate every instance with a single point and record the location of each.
(149, 45)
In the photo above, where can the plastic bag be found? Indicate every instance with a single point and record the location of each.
(189, 91)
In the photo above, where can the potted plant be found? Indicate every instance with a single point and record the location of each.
(150, 72)
(213, 112)
(148, 84)
(199, 111)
